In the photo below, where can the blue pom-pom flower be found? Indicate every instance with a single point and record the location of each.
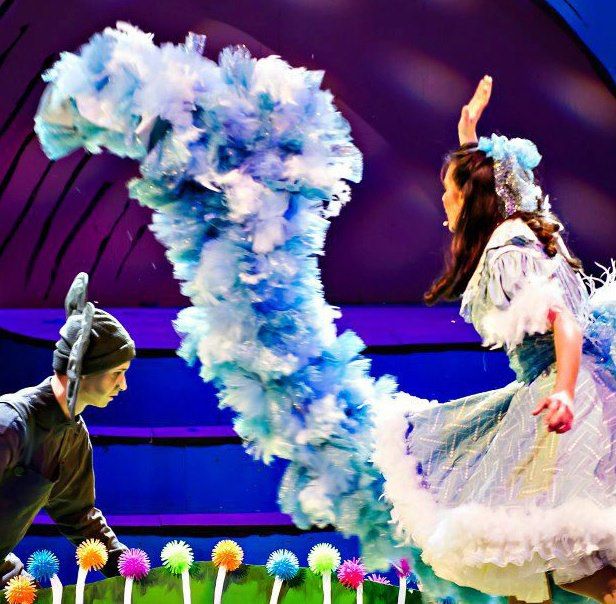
(43, 565)
(282, 564)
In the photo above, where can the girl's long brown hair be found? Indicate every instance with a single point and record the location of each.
(473, 173)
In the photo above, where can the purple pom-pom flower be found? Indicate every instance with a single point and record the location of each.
(134, 564)
(402, 568)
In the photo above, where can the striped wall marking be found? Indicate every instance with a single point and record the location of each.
(26, 208)
(49, 220)
(76, 228)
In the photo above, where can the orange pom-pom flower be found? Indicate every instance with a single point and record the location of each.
(92, 555)
(20, 590)
(228, 555)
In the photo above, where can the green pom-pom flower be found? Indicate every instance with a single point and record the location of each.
(323, 558)
(177, 557)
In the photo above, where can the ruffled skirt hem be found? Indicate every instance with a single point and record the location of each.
(499, 550)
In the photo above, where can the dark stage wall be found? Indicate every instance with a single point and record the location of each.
(400, 71)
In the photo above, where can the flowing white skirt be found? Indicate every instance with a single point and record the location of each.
(492, 498)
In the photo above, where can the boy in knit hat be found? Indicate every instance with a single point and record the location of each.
(45, 449)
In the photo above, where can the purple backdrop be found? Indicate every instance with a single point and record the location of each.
(400, 71)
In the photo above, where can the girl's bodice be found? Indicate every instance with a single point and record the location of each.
(512, 291)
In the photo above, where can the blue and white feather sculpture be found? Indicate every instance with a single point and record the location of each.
(243, 162)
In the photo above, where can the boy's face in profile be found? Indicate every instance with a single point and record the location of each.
(97, 389)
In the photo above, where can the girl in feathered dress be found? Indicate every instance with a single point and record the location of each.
(502, 488)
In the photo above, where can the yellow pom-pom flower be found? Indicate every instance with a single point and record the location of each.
(20, 590)
(92, 555)
(227, 554)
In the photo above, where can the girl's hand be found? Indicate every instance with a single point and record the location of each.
(9, 568)
(467, 126)
(559, 416)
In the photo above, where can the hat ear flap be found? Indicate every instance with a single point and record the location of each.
(77, 295)
(75, 359)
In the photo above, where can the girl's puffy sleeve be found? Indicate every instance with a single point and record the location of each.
(521, 292)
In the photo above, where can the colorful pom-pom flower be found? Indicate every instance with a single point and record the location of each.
(44, 566)
(177, 557)
(20, 590)
(376, 578)
(351, 573)
(133, 565)
(91, 555)
(283, 565)
(403, 570)
(227, 555)
(323, 560)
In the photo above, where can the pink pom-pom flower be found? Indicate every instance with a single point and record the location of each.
(351, 573)
(375, 578)
(403, 568)
(134, 564)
